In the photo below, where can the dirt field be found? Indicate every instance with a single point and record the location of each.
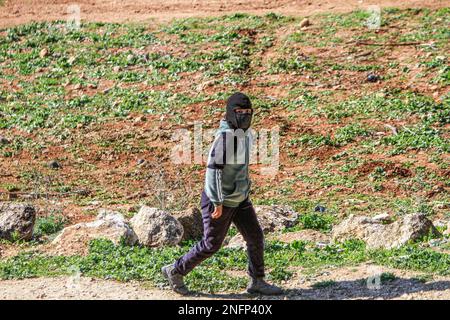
(18, 12)
(100, 157)
(343, 283)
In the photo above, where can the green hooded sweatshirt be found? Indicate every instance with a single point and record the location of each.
(227, 180)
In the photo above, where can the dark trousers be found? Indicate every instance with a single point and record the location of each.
(215, 230)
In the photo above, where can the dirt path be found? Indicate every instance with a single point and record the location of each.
(18, 12)
(349, 283)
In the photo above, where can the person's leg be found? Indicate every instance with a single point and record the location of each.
(214, 232)
(247, 224)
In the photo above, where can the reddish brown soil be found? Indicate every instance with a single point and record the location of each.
(112, 176)
(17, 12)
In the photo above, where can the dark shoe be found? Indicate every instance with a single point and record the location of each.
(175, 279)
(259, 286)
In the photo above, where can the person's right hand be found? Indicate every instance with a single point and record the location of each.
(217, 212)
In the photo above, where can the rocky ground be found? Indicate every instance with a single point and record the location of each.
(342, 283)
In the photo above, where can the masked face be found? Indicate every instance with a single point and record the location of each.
(239, 111)
(243, 118)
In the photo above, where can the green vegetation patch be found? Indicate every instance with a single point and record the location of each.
(124, 263)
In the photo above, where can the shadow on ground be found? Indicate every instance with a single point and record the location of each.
(348, 289)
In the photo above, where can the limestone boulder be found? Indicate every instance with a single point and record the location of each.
(109, 225)
(156, 228)
(276, 217)
(16, 221)
(377, 234)
(191, 220)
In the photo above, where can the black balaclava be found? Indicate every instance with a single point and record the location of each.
(238, 121)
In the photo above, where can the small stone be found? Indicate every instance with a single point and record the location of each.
(434, 242)
(305, 23)
(442, 206)
(371, 77)
(71, 60)
(54, 164)
(43, 53)
(321, 245)
(434, 88)
(440, 223)
(320, 209)
(140, 119)
(116, 69)
(237, 242)
(3, 140)
(130, 58)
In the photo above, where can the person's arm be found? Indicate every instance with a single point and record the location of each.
(213, 186)
(214, 169)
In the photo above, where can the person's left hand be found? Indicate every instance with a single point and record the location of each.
(217, 212)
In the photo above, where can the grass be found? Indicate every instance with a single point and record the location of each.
(235, 44)
(323, 284)
(48, 225)
(124, 263)
(421, 136)
(314, 221)
(343, 136)
(295, 64)
(412, 258)
(388, 105)
(79, 101)
(387, 277)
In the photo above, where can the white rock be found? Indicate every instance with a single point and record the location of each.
(304, 235)
(43, 53)
(156, 228)
(108, 225)
(237, 242)
(382, 217)
(377, 235)
(305, 23)
(275, 218)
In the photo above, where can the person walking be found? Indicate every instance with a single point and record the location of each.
(225, 200)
